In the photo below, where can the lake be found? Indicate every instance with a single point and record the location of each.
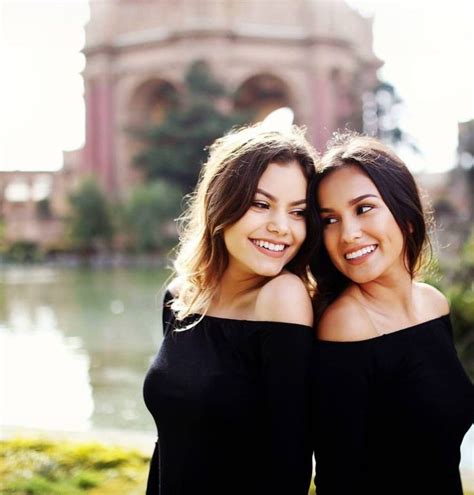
(75, 345)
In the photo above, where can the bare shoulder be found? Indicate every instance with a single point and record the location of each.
(432, 299)
(346, 320)
(284, 299)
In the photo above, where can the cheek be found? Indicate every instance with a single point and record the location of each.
(230, 237)
(395, 234)
(301, 231)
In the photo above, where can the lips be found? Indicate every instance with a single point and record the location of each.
(360, 252)
(269, 248)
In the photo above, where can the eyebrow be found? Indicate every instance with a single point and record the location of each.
(272, 198)
(351, 202)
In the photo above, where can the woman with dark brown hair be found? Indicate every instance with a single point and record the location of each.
(228, 388)
(392, 401)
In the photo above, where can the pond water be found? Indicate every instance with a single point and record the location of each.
(75, 346)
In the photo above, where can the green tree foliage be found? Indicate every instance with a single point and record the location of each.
(148, 213)
(90, 222)
(456, 282)
(460, 292)
(466, 159)
(382, 110)
(176, 149)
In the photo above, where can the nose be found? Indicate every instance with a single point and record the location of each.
(278, 223)
(350, 231)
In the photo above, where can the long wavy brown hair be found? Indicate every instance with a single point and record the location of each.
(225, 191)
(399, 192)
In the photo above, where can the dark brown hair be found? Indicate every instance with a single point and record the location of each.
(398, 190)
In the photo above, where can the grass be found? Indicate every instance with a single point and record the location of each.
(43, 467)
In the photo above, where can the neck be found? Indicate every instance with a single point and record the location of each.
(390, 295)
(234, 288)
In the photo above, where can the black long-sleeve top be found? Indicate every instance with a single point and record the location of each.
(230, 400)
(390, 413)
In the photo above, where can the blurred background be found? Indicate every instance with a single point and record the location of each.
(107, 107)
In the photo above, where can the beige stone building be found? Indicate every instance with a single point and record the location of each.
(312, 55)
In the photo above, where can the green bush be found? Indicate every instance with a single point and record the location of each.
(456, 281)
(23, 252)
(148, 211)
(90, 223)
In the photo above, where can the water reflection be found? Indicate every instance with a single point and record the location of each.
(75, 346)
(45, 376)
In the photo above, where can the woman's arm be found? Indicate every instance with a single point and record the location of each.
(341, 377)
(286, 351)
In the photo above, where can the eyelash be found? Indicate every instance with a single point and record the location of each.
(361, 207)
(300, 213)
(262, 205)
(359, 210)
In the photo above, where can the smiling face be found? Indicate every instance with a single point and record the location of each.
(360, 234)
(273, 229)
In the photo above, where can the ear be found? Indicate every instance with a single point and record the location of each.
(410, 228)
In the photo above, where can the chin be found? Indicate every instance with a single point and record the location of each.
(270, 271)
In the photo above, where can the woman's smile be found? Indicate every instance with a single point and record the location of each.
(270, 248)
(360, 254)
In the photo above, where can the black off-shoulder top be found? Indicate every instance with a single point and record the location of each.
(390, 413)
(230, 399)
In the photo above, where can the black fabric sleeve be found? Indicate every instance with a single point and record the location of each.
(286, 352)
(153, 484)
(154, 472)
(340, 405)
(168, 318)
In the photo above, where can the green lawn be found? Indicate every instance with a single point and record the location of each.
(40, 467)
(44, 467)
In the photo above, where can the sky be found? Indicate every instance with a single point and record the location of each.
(427, 47)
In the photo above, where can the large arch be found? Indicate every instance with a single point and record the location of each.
(150, 102)
(261, 94)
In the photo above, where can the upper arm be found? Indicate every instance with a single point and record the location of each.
(285, 358)
(167, 317)
(345, 320)
(285, 299)
(434, 300)
(340, 415)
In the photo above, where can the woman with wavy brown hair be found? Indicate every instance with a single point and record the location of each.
(228, 388)
(392, 401)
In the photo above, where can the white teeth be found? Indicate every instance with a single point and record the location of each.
(360, 252)
(269, 245)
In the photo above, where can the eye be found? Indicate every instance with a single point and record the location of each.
(361, 209)
(328, 220)
(260, 205)
(301, 213)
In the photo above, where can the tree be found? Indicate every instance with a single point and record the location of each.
(381, 116)
(466, 159)
(147, 213)
(461, 296)
(175, 149)
(90, 222)
(456, 282)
